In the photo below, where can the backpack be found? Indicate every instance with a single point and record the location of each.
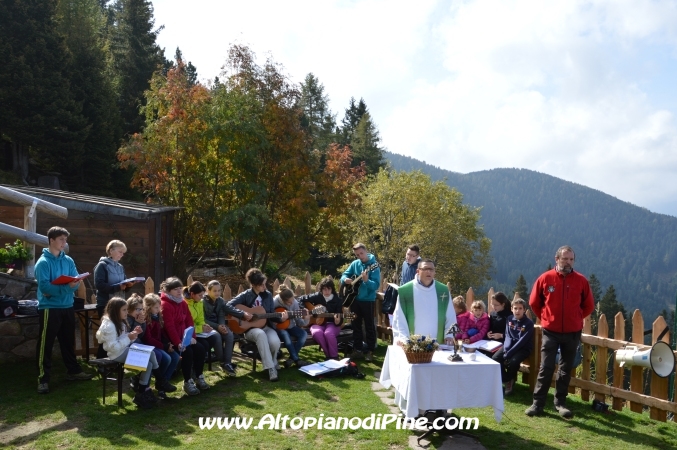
(349, 370)
(389, 300)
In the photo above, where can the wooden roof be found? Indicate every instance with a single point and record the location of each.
(94, 203)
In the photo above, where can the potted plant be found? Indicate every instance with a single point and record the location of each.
(14, 255)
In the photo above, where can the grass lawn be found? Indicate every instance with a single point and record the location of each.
(73, 416)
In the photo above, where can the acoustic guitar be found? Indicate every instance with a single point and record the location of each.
(284, 325)
(319, 319)
(259, 319)
(348, 292)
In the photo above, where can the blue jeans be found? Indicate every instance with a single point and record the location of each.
(168, 363)
(293, 348)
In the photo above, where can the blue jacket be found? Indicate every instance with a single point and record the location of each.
(408, 271)
(49, 268)
(367, 292)
(519, 334)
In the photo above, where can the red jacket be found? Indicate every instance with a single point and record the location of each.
(562, 302)
(153, 335)
(177, 318)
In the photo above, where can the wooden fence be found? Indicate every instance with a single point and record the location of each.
(595, 377)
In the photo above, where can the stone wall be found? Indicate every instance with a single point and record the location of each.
(18, 338)
(18, 287)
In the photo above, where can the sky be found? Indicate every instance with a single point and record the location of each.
(581, 90)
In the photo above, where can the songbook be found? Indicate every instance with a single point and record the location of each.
(65, 279)
(130, 280)
(324, 367)
(187, 336)
(138, 356)
(490, 346)
(205, 335)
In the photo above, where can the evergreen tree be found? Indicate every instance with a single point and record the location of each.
(317, 117)
(609, 306)
(521, 288)
(136, 56)
(352, 118)
(595, 287)
(365, 146)
(39, 112)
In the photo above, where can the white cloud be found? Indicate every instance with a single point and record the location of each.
(563, 87)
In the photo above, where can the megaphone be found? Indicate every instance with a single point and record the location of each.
(658, 358)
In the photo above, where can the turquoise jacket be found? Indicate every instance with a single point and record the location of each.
(367, 291)
(49, 268)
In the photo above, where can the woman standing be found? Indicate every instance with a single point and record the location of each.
(108, 274)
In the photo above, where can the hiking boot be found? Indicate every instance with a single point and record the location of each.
(272, 374)
(190, 388)
(564, 411)
(142, 401)
(369, 356)
(79, 376)
(301, 363)
(534, 410)
(509, 387)
(229, 369)
(288, 363)
(356, 355)
(43, 388)
(163, 385)
(201, 383)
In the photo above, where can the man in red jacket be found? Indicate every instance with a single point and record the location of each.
(561, 299)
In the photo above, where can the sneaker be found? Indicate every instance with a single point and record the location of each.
(43, 388)
(301, 363)
(272, 374)
(142, 401)
(288, 363)
(564, 411)
(369, 356)
(79, 376)
(150, 396)
(134, 383)
(201, 383)
(509, 387)
(229, 369)
(190, 388)
(161, 395)
(534, 410)
(356, 355)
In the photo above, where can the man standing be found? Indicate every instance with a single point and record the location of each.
(363, 306)
(424, 306)
(55, 308)
(410, 264)
(561, 299)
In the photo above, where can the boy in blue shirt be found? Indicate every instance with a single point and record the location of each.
(55, 309)
(519, 342)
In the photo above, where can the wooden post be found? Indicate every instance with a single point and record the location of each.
(189, 280)
(636, 372)
(534, 360)
(227, 294)
(601, 363)
(299, 291)
(276, 286)
(469, 298)
(490, 306)
(240, 289)
(309, 284)
(585, 375)
(30, 219)
(149, 286)
(619, 372)
(659, 386)
(287, 282)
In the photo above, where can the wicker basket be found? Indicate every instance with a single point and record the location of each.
(419, 357)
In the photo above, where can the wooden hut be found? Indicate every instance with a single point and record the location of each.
(94, 221)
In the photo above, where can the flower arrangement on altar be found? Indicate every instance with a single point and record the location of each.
(419, 348)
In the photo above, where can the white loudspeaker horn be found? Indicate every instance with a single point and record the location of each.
(658, 358)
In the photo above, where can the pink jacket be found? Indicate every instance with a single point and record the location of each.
(467, 321)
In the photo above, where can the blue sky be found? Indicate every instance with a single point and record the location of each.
(581, 90)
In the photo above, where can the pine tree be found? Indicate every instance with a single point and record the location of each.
(521, 288)
(317, 117)
(365, 146)
(609, 306)
(595, 287)
(352, 118)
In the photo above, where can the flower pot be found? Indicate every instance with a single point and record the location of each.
(419, 357)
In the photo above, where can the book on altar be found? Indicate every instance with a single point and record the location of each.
(323, 367)
(65, 279)
(490, 346)
(130, 280)
(138, 356)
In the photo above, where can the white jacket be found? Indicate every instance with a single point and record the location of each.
(108, 336)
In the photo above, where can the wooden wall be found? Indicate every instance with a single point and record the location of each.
(147, 240)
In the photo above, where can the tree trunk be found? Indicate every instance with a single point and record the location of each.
(20, 160)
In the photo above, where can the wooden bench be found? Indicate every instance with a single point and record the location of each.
(249, 350)
(107, 368)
